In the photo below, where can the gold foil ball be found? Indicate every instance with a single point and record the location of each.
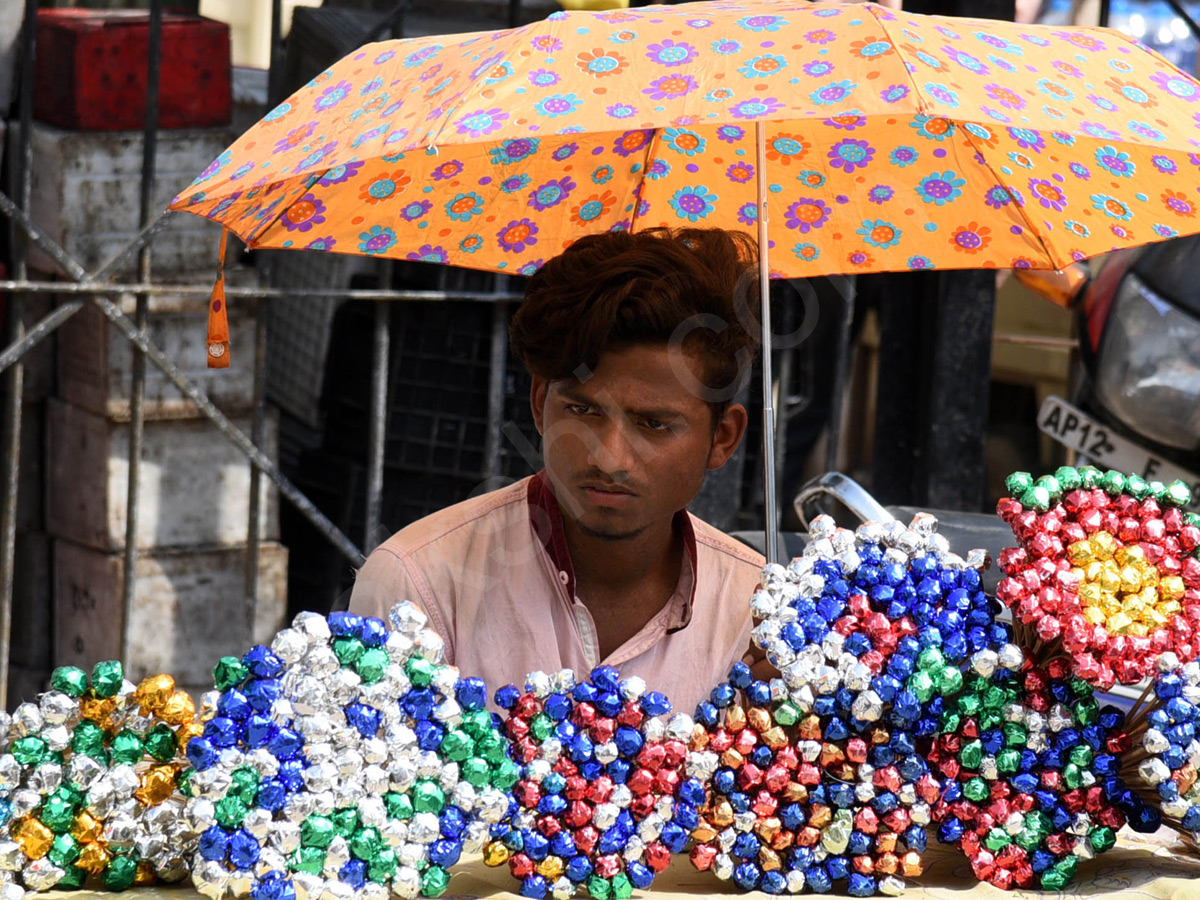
(495, 854)
(153, 693)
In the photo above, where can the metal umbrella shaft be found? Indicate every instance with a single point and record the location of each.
(770, 529)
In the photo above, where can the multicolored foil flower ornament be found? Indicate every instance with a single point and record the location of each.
(596, 797)
(1105, 571)
(91, 784)
(872, 624)
(786, 809)
(1031, 764)
(344, 762)
(872, 631)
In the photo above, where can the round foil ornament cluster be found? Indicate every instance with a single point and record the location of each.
(787, 810)
(867, 626)
(872, 630)
(1168, 733)
(1105, 564)
(344, 762)
(595, 803)
(1031, 764)
(90, 784)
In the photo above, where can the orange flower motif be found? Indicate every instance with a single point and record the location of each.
(786, 148)
(765, 65)
(883, 234)
(812, 179)
(871, 48)
(594, 207)
(971, 238)
(385, 187)
(1087, 42)
(1178, 203)
(601, 63)
(1054, 89)
(860, 258)
(1131, 92)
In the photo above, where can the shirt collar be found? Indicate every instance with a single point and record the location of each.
(545, 516)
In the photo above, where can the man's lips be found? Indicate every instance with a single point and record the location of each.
(607, 495)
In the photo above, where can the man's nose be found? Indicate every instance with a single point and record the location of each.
(614, 453)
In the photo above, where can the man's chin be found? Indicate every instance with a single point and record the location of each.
(608, 531)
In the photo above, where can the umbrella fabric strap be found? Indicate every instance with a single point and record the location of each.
(218, 317)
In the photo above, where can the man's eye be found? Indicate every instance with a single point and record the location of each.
(578, 409)
(656, 425)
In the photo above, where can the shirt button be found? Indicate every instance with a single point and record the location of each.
(564, 577)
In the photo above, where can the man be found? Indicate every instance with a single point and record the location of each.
(635, 343)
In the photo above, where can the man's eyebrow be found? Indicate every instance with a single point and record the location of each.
(662, 413)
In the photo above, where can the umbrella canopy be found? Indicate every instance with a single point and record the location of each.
(893, 141)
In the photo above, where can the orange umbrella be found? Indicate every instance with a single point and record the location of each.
(879, 140)
(892, 141)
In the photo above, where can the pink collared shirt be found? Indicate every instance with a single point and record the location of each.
(495, 578)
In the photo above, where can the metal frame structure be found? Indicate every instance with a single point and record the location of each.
(95, 287)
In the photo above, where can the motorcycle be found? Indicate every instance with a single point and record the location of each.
(1134, 404)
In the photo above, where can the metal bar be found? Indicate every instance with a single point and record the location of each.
(235, 435)
(147, 234)
(137, 390)
(47, 325)
(783, 383)
(137, 432)
(43, 328)
(57, 254)
(841, 372)
(15, 387)
(192, 290)
(16, 376)
(770, 516)
(275, 66)
(258, 434)
(496, 378)
(377, 426)
(1105, 8)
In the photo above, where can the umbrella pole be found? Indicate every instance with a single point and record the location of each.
(771, 524)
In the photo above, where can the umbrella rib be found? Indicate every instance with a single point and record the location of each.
(650, 147)
(1020, 207)
(923, 107)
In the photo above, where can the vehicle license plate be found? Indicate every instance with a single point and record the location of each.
(1106, 449)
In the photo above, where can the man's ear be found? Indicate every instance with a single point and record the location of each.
(727, 435)
(537, 400)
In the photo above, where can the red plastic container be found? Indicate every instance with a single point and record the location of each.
(91, 70)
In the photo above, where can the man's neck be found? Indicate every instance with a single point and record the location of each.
(624, 583)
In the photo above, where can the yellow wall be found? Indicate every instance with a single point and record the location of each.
(250, 26)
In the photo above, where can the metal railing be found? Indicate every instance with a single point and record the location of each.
(83, 287)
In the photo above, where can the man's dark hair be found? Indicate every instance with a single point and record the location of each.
(616, 289)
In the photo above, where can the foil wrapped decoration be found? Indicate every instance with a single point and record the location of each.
(872, 624)
(1166, 729)
(90, 784)
(596, 801)
(799, 801)
(1106, 566)
(1032, 770)
(344, 762)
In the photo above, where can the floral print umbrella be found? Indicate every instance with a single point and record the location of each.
(891, 141)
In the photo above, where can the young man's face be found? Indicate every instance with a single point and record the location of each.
(628, 446)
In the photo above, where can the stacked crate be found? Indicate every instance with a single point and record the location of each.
(190, 603)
